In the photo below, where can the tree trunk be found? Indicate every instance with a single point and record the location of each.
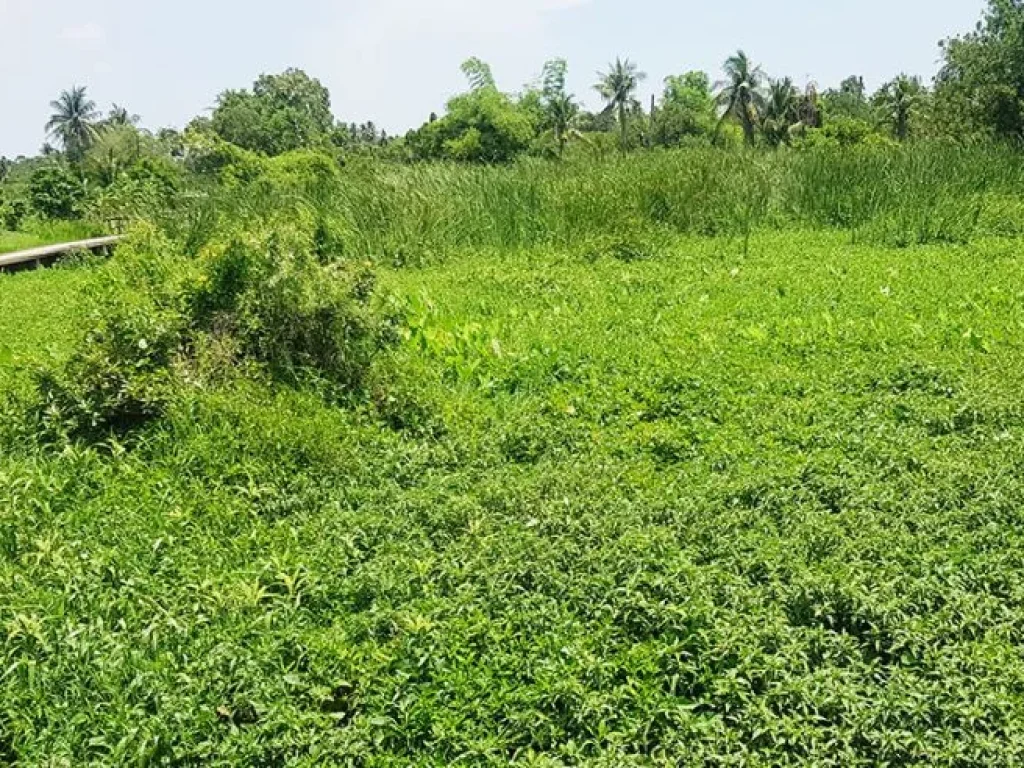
(748, 123)
(622, 126)
(748, 129)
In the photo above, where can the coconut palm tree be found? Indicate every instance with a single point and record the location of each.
(780, 111)
(119, 115)
(897, 101)
(618, 87)
(73, 123)
(561, 111)
(560, 107)
(741, 93)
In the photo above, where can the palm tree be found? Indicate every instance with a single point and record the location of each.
(73, 122)
(780, 111)
(741, 93)
(560, 106)
(479, 74)
(618, 87)
(897, 100)
(119, 115)
(562, 111)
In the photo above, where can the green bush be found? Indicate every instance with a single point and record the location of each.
(12, 213)
(291, 312)
(161, 323)
(56, 192)
(122, 373)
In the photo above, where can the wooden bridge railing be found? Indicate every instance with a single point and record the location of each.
(47, 254)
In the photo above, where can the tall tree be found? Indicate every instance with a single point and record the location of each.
(618, 87)
(73, 122)
(479, 74)
(120, 116)
(781, 111)
(849, 100)
(897, 101)
(687, 109)
(560, 106)
(281, 113)
(483, 125)
(980, 87)
(741, 94)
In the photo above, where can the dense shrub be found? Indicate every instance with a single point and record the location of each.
(56, 192)
(207, 155)
(12, 213)
(286, 309)
(484, 125)
(161, 323)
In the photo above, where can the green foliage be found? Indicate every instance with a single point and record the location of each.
(288, 310)
(118, 148)
(980, 89)
(482, 126)
(781, 109)
(558, 108)
(308, 171)
(847, 102)
(123, 373)
(281, 113)
(56, 191)
(73, 122)
(479, 74)
(618, 86)
(427, 213)
(899, 103)
(683, 509)
(741, 95)
(12, 213)
(687, 109)
(838, 132)
(160, 324)
(206, 154)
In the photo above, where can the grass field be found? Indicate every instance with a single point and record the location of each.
(18, 241)
(697, 508)
(46, 234)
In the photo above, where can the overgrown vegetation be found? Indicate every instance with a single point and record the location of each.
(107, 168)
(161, 323)
(536, 437)
(601, 510)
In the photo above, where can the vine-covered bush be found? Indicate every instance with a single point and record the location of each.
(162, 323)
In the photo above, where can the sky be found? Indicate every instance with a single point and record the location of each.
(396, 61)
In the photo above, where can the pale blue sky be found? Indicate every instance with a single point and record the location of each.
(394, 61)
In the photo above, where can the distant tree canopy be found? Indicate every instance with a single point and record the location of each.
(483, 125)
(281, 113)
(848, 101)
(980, 88)
(96, 156)
(897, 102)
(73, 122)
(618, 86)
(56, 191)
(687, 109)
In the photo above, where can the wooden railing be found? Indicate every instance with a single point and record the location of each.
(47, 254)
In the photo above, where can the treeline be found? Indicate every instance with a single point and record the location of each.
(102, 165)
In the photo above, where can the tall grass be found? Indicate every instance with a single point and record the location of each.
(906, 195)
(36, 233)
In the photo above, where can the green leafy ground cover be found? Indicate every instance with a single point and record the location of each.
(659, 509)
